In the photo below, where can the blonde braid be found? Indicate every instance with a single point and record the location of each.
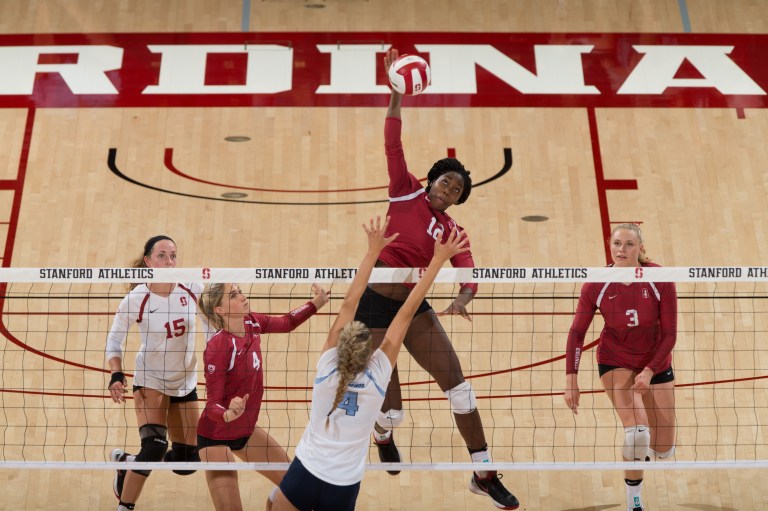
(354, 350)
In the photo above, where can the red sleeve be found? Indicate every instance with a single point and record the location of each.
(585, 312)
(667, 325)
(464, 260)
(216, 357)
(401, 182)
(287, 322)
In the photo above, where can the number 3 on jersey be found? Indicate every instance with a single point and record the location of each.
(349, 403)
(633, 319)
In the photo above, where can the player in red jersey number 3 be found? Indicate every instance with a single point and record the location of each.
(634, 356)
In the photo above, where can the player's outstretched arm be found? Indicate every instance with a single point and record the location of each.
(393, 339)
(396, 98)
(376, 243)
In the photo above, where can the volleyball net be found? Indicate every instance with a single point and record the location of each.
(55, 409)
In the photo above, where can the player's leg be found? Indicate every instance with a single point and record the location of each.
(391, 415)
(637, 436)
(151, 416)
(660, 406)
(299, 489)
(222, 484)
(282, 503)
(262, 448)
(430, 347)
(183, 415)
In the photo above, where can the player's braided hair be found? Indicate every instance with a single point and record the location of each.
(209, 300)
(354, 349)
(643, 257)
(450, 165)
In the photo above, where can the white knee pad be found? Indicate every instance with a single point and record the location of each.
(661, 455)
(390, 419)
(462, 398)
(637, 441)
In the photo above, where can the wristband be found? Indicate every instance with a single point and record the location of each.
(117, 376)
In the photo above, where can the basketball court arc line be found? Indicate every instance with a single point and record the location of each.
(413, 399)
(168, 161)
(112, 165)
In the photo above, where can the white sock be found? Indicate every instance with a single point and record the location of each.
(382, 437)
(130, 458)
(633, 496)
(273, 495)
(483, 456)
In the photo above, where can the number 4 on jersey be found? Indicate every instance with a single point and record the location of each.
(349, 403)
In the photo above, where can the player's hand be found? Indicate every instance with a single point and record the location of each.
(455, 244)
(643, 381)
(236, 408)
(390, 57)
(321, 296)
(376, 235)
(457, 308)
(572, 393)
(117, 391)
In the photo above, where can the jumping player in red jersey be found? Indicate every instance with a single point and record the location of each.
(419, 215)
(634, 356)
(235, 383)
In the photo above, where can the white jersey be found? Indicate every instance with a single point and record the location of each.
(337, 454)
(166, 359)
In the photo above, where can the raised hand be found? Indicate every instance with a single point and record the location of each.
(376, 235)
(390, 57)
(321, 296)
(455, 244)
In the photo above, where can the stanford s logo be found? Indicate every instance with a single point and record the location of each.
(183, 301)
(211, 368)
(645, 293)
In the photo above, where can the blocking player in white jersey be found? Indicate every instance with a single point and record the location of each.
(165, 376)
(349, 389)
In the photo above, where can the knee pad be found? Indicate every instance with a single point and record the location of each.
(390, 419)
(180, 453)
(661, 455)
(153, 445)
(462, 398)
(637, 442)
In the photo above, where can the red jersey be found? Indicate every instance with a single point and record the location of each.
(640, 324)
(412, 215)
(233, 368)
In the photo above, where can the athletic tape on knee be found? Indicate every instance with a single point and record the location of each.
(661, 455)
(462, 398)
(637, 442)
(390, 419)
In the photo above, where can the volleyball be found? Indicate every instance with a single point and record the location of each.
(409, 75)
